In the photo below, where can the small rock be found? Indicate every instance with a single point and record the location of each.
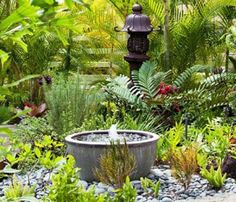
(203, 194)
(151, 176)
(99, 191)
(83, 183)
(157, 172)
(166, 199)
(168, 172)
(111, 189)
(141, 199)
(228, 186)
(234, 189)
(165, 166)
(137, 184)
(47, 177)
(180, 191)
(183, 196)
(203, 181)
(211, 192)
(102, 185)
(154, 200)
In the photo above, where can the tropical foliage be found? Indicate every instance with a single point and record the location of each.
(62, 71)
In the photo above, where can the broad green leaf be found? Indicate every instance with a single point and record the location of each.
(3, 56)
(37, 152)
(64, 21)
(24, 11)
(22, 2)
(37, 144)
(6, 131)
(22, 80)
(69, 3)
(50, 2)
(10, 158)
(61, 36)
(27, 148)
(18, 114)
(48, 155)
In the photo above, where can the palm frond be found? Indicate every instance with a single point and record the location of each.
(157, 8)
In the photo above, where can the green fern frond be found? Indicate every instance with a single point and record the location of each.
(187, 74)
(218, 79)
(120, 87)
(146, 81)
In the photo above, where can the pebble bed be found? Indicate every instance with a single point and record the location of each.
(128, 137)
(170, 190)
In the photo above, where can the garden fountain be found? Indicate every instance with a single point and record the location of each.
(87, 148)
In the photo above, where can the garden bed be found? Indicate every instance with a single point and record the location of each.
(170, 189)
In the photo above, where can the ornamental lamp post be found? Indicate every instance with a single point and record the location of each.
(138, 26)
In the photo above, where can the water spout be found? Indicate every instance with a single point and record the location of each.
(113, 135)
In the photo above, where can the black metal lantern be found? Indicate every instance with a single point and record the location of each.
(138, 26)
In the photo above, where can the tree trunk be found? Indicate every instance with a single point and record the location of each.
(67, 63)
(167, 62)
(227, 60)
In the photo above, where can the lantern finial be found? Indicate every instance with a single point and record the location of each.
(137, 8)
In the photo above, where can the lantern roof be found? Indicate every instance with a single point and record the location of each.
(137, 22)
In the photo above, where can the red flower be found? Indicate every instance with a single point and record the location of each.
(162, 91)
(168, 89)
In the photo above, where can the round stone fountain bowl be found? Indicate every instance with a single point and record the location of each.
(88, 153)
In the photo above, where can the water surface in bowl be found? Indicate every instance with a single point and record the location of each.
(104, 137)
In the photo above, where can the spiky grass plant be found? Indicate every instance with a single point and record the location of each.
(184, 164)
(115, 164)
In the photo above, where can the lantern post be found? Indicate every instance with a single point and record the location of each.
(138, 26)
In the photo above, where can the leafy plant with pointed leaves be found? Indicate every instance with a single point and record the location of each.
(214, 177)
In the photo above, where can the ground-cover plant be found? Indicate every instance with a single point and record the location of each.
(184, 163)
(216, 140)
(25, 158)
(32, 129)
(127, 193)
(18, 192)
(169, 141)
(115, 164)
(149, 184)
(65, 186)
(69, 103)
(214, 177)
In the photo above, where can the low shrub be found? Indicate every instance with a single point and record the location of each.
(65, 186)
(184, 164)
(115, 165)
(32, 129)
(69, 103)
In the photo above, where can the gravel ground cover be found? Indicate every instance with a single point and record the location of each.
(171, 190)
